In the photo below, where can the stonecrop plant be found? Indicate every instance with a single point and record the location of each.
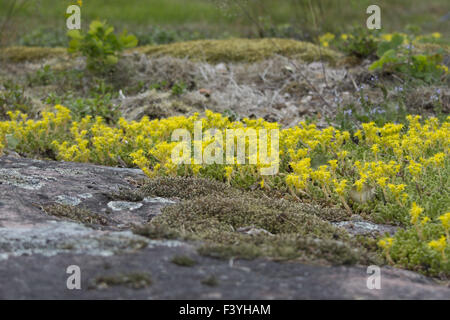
(397, 174)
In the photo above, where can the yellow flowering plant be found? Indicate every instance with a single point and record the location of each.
(321, 165)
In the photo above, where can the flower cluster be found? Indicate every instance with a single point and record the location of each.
(390, 173)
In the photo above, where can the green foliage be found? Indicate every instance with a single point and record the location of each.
(44, 37)
(100, 45)
(43, 76)
(178, 88)
(184, 261)
(131, 280)
(412, 252)
(397, 56)
(360, 42)
(12, 98)
(392, 109)
(100, 105)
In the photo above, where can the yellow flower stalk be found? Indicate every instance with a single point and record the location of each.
(439, 246)
(341, 190)
(415, 213)
(436, 35)
(386, 244)
(445, 220)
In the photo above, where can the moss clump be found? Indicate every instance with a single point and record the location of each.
(213, 51)
(241, 50)
(129, 195)
(184, 261)
(22, 54)
(82, 215)
(290, 247)
(222, 218)
(185, 187)
(156, 232)
(292, 232)
(232, 213)
(132, 280)
(210, 281)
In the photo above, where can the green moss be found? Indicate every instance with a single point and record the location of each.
(414, 253)
(82, 215)
(125, 195)
(213, 51)
(155, 232)
(231, 213)
(132, 280)
(210, 281)
(234, 223)
(241, 50)
(184, 261)
(22, 54)
(185, 187)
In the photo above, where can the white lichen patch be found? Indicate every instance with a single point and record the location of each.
(68, 200)
(365, 227)
(124, 205)
(159, 200)
(14, 178)
(57, 237)
(67, 172)
(85, 195)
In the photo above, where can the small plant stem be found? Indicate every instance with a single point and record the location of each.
(349, 210)
(388, 257)
(419, 232)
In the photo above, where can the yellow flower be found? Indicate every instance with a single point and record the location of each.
(344, 36)
(415, 212)
(359, 184)
(326, 38)
(443, 67)
(333, 164)
(375, 149)
(387, 37)
(341, 186)
(438, 245)
(445, 219)
(436, 35)
(386, 243)
(424, 221)
(415, 169)
(382, 181)
(228, 172)
(396, 190)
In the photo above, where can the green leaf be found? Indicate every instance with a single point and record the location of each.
(95, 26)
(75, 34)
(128, 41)
(396, 41)
(112, 60)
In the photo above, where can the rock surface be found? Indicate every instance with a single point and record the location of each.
(36, 248)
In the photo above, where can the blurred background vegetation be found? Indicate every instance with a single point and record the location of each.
(42, 22)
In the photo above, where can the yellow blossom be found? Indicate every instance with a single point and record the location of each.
(415, 212)
(386, 243)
